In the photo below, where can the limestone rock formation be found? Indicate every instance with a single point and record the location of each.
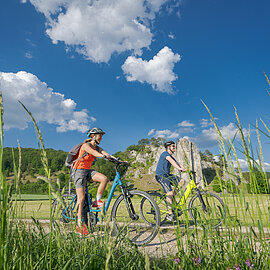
(188, 154)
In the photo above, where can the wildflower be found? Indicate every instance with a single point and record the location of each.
(198, 260)
(191, 246)
(237, 267)
(248, 263)
(176, 260)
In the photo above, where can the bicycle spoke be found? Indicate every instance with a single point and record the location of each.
(207, 210)
(135, 227)
(63, 215)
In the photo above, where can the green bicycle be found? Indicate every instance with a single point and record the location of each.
(204, 207)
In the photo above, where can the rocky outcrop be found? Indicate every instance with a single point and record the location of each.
(188, 154)
(157, 151)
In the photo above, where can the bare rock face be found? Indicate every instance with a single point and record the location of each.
(141, 158)
(188, 155)
(157, 152)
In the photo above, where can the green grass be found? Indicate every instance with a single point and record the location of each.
(248, 213)
(37, 206)
(30, 197)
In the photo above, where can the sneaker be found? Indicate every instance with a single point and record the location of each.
(98, 204)
(171, 217)
(82, 230)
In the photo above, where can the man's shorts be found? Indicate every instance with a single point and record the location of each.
(81, 176)
(167, 181)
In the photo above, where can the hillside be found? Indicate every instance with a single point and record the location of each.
(142, 158)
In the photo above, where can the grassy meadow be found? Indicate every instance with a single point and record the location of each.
(38, 206)
(30, 246)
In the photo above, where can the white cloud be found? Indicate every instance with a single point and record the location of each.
(208, 137)
(171, 36)
(23, 1)
(205, 123)
(166, 133)
(186, 127)
(99, 28)
(158, 71)
(185, 123)
(28, 55)
(151, 132)
(44, 104)
(244, 165)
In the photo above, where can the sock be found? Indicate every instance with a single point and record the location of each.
(98, 197)
(79, 222)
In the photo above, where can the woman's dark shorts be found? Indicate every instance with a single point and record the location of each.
(167, 181)
(81, 176)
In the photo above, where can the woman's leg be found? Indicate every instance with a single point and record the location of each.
(102, 180)
(80, 201)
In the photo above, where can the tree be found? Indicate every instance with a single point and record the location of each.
(209, 155)
(144, 142)
(157, 141)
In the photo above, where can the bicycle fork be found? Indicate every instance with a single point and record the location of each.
(202, 201)
(130, 208)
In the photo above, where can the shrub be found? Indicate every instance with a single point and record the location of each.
(217, 184)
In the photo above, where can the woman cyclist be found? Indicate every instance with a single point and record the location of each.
(81, 172)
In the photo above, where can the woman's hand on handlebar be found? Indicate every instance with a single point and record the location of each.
(107, 156)
(115, 160)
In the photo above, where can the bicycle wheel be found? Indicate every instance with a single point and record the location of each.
(207, 210)
(63, 213)
(129, 217)
(162, 205)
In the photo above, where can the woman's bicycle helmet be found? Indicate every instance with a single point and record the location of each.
(95, 130)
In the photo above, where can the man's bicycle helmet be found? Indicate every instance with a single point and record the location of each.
(168, 143)
(95, 130)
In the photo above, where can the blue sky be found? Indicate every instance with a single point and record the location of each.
(136, 69)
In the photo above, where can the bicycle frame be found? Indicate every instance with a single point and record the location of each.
(117, 181)
(191, 185)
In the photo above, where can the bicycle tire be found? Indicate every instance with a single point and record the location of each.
(215, 209)
(135, 228)
(63, 214)
(162, 205)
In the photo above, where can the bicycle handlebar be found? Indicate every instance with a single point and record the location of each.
(117, 161)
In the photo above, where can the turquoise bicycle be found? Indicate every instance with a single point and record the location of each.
(127, 214)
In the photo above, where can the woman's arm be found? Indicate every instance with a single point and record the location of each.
(87, 148)
(175, 164)
(104, 153)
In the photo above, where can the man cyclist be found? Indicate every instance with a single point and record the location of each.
(167, 180)
(81, 172)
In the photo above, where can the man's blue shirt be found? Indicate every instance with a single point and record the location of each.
(163, 166)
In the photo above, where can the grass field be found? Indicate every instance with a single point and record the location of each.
(37, 206)
(31, 197)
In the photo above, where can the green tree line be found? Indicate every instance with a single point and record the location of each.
(31, 160)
